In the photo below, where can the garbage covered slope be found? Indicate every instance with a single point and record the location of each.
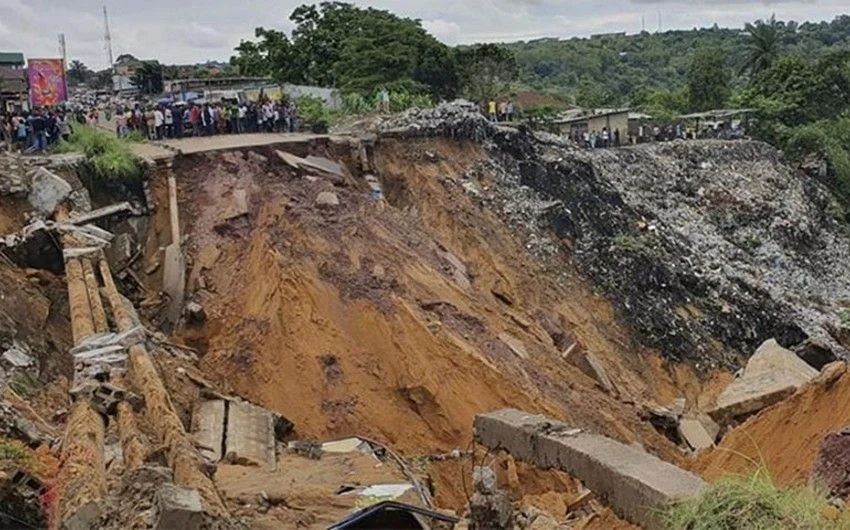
(706, 247)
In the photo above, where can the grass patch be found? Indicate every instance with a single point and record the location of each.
(24, 384)
(13, 453)
(753, 503)
(109, 160)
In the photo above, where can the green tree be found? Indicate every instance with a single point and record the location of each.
(708, 81)
(341, 45)
(486, 71)
(148, 77)
(763, 46)
(78, 73)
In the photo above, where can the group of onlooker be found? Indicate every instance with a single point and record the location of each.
(176, 120)
(33, 132)
(501, 110)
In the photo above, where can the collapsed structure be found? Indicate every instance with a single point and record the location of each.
(394, 280)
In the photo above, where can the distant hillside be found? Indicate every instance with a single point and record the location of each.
(620, 64)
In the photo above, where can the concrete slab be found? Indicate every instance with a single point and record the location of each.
(694, 434)
(323, 164)
(772, 374)
(346, 445)
(178, 508)
(208, 428)
(250, 435)
(516, 346)
(632, 481)
(47, 191)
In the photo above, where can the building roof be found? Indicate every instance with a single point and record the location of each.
(362, 518)
(716, 114)
(12, 58)
(573, 116)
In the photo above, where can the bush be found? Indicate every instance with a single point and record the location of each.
(754, 502)
(109, 160)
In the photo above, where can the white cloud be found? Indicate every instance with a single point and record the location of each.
(189, 32)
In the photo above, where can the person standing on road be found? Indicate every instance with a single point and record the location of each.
(195, 120)
(169, 122)
(491, 110)
(158, 123)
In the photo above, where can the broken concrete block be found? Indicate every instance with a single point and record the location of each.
(327, 199)
(250, 435)
(237, 206)
(632, 481)
(178, 508)
(257, 157)
(208, 428)
(490, 512)
(516, 346)
(86, 518)
(290, 159)
(120, 251)
(694, 434)
(17, 358)
(47, 191)
(772, 374)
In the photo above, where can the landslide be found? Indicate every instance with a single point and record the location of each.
(397, 320)
(785, 438)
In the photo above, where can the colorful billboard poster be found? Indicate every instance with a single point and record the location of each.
(47, 82)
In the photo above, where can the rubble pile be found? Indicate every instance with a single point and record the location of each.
(692, 240)
(458, 119)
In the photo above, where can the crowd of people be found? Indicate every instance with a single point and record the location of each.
(500, 110)
(176, 120)
(33, 132)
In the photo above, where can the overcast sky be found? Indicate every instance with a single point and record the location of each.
(194, 31)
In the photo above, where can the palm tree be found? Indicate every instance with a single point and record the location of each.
(763, 46)
(77, 72)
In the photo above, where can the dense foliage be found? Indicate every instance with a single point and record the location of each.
(618, 66)
(362, 50)
(109, 160)
(353, 49)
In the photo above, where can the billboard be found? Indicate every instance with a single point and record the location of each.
(47, 82)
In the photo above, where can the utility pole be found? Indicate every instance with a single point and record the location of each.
(642, 23)
(107, 38)
(659, 21)
(107, 41)
(63, 51)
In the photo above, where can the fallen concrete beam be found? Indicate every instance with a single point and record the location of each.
(95, 303)
(183, 457)
(100, 213)
(132, 447)
(178, 508)
(633, 482)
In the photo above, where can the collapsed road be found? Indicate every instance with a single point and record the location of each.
(379, 288)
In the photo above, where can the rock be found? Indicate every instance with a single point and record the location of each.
(831, 469)
(195, 313)
(178, 508)
(257, 157)
(484, 479)
(772, 374)
(327, 199)
(550, 324)
(47, 191)
(17, 358)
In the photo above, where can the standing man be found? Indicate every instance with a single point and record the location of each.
(169, 122)
(158, 123)
(510, 111)
(491, 110)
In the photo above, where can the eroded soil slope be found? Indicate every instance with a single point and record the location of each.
(397, 320)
